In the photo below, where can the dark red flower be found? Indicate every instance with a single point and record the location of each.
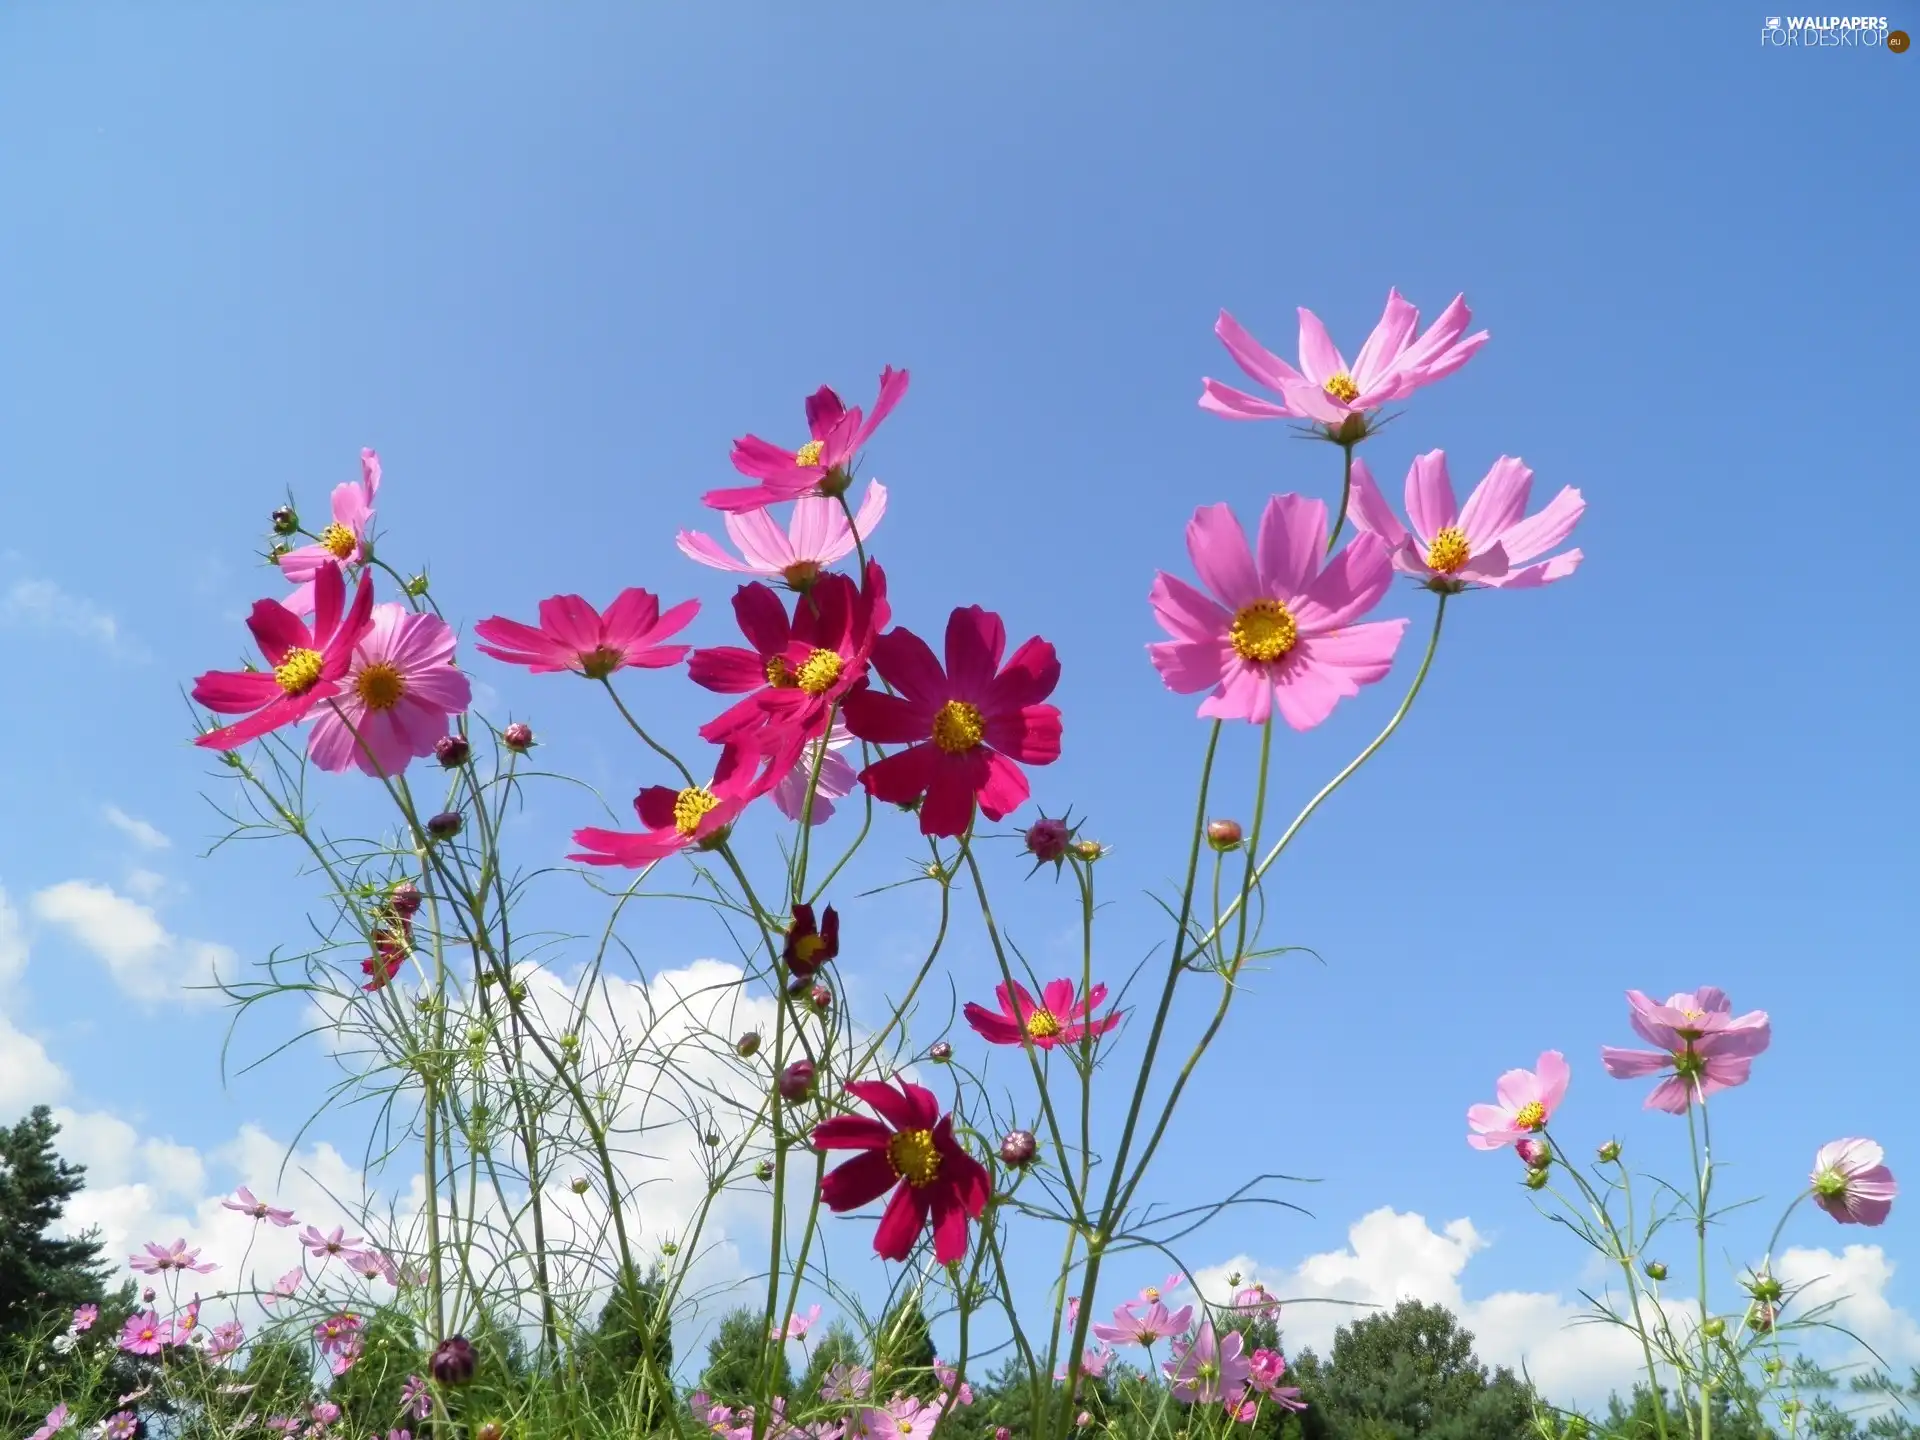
(915, 1155)
(810, 945)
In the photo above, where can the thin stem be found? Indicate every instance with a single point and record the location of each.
(1346, 493)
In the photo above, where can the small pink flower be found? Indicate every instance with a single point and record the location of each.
(84, 1317)
(1704, 1047)
(1208, 1370)
(948, 1377)
(396, 699)
(343, 542)
(1492, 541)
(574, 636)
(345, 1356)
(325, 1413)
(1851, 1183)
(1525, 1101)
(1059, 1018)
(1149, 1327)
(325, 1247)
(1093, 1363)
(161, 1258)
(837, 779)
(416, 1398)
(244, 1202)
(56, 1420)
(677, 819)
(334, 1331)
(822, 465)
(1390, 366)
(798, 1325)
(1279, 630)
(144, 1334)
(816, 537)
(119, 1426)
(287, 1284)
(1257, 1299)
(901, 1418)
(225, 1340)
(1264, 1374)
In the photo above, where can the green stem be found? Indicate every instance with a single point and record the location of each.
(1346, 493)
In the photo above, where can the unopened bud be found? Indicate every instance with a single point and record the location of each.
(1761, 1318)
(1608, 1152)
(445, 825)
(747, 1044)
(796, 1081)
(451, 751)
(491, 1430)
(285, 520)
(1766, 1288)
(404, 899)
(821, 998)
(516, 992)
(517, 737)
(668, 1248)
(147, 1295)
(417, 586)
(1047, 840)
(1536, 1179)
(940, 1052)
(763, 1171)
(1656, 1269)
(1715, 1328)
(476, 1035)
(1088, 850)
(1537, 1154)
(453, 1361)
(712, 1137)
(579, 1184)
(1223, 835)
(569, 1041)
(1019, 1148)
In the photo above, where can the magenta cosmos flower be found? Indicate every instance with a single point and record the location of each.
(964, 725)
(1524, 1100)
(1851, 1183)
(1391, 365)
(1492, 541)
(1278, 630)
(308, 665)
(1209, 1370)
(396, 698)
(1703, 1046)
(244, 1202)
(817, 536)
(343, 542)
(677, 819)
(819, 467)
(1058, 1019)
(572, 635)
(913, 1153)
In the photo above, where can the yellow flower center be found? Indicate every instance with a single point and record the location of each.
(780, 674)
(380, 685)
(1530, 1116)
(690, 807)
(913, 1157)
(1449, 551)
(1342, 388)
(1042, 1026)
(818, 672)
(806, 947)
(299, 672)
(1152, 1292)
(809, 453)
(600, 663)
(338, 541)
(958, 727)
(801, 574)
(1263, 632)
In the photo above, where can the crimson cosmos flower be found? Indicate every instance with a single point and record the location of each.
(811, 944)
(676, 819)
(308, 664)
(572, 635)
(819, 467)
(964, 725)
(914, 1154)
(1056, 1020)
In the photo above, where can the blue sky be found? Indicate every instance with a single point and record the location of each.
(550, 264)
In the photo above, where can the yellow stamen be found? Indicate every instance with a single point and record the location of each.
(1042, 1026)
(380, 685)
(806, 947)
(299, 672)
(1342, 388)
(913, 1157)
(1449, 551)
(338, 541)
(809, 453)
(690, 807)
(818, 672)
(1263, 632)
(1530, 1116)
(958, 727)
(1152, 1292)
(780, 674)
(600, 663)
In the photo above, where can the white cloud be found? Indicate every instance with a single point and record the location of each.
(145, 883)
(13, 942)
(43, 605)
(147, 837)
(144, 958)
(28, 1075)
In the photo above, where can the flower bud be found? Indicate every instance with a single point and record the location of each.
(147, 1295)
(579, 1184)
(445, 825)
(1536, 1179)
(285, 520)
(747, 1044)
(940, 1052)
(1715, 1328)
(1001, 1432)
(404, 899)
(1771, 1365)
(821, 998)
(451, 751)
(417, 586)
(453, 1361)
(712, 1139)
(1761, 1317)
(1766, 1289)
(796, 1081)
(669, 1248)
(517, 737)
(1608, 1153)
(763, 1171)
(1019, 1148)
(1537, 1154)
(1656, 1269)
(476, 1035)
(1088, 850)
(569, 1042)
(491, 1430)
(1047, 840)
(1223, 835)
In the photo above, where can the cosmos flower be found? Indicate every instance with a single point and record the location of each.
(797, 1325)
(1703, 1047)
(810, 943)
(574, 636)
(161, 1258)
(1149, 1327)
(836, 780)
(819, 467)
(343, 542)
(817, 536)
(911, 1151)
(676, 819)
(1491, 541)
(1208, 1370)
(325, 1247)
(145, 1333)
(397, 697)
(1851, 1183)
(1059, 1019)
(1525, 1101)
(244, 1202)
(1279, 631)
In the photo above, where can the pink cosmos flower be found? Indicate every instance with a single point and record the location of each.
(1149, 1327)
(1492, 541)
(1208, 1370)
(244, 1202)
(325, 1247)
(1256, 1298)
(1390, 366)
(334, 1331)
(84, 1317)
(1264, 1373)
(225, 1340)
(836, 782)
(1058, 1019)
(398, 695)
(1093, 1363)
(325, 1412)
(374, 1265)
(948, 1378)
(1279, 631)
(797, 1325)
(1851, 1183)
(307, 665)
(161, 1258)
(1704, 1047)
(964, 725)
(677, 819)
(120, 1426)
(572, 635)
(817, 536)
(845, 1384)
(346, 1355)
(343, 542)
(819, 467)
(56, 1420)
(144, 1334)
(416, 1398)
(901, 1418)
(913, 1153)
(287, 1284)
(1525, 1101)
